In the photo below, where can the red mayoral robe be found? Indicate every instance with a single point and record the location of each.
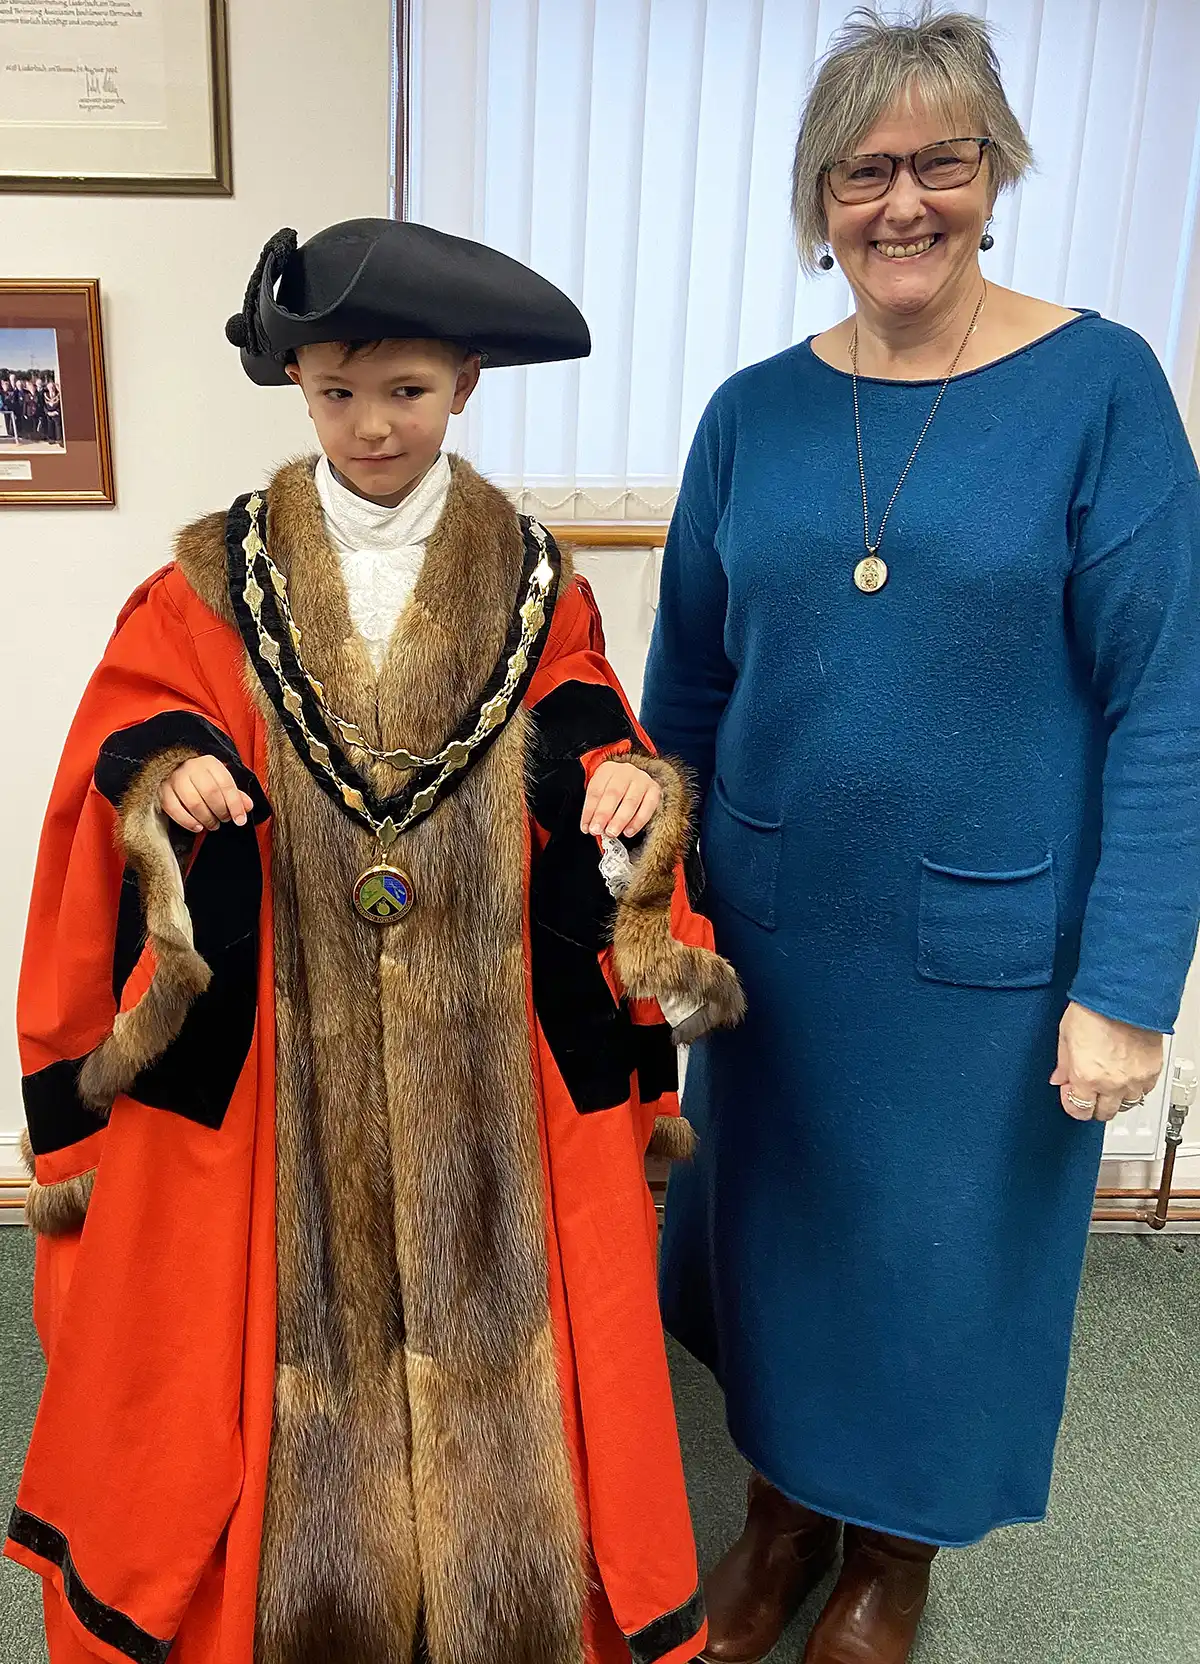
(346, 1259)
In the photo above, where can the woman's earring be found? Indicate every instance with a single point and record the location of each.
(826, 261)
(987, 241)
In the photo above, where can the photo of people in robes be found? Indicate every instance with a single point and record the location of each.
(31, 413)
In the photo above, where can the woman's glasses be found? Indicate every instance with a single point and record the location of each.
(936, 167)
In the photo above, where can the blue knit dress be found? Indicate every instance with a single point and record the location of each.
(931, 816)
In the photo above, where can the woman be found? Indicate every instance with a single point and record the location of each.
(928, 636)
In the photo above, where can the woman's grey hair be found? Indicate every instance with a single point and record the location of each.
(947, 58)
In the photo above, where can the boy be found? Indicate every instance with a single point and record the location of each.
(334, 1031)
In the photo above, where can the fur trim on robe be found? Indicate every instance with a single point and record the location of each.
(650, 962)
(54, 1209)
(142, 1034)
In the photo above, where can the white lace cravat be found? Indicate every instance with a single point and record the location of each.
(381, 550)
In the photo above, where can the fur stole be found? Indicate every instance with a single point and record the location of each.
(419, 1471)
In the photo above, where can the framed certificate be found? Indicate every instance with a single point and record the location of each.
(114, 96)
(54, 439)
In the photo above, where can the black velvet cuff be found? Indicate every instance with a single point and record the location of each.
(579, 717)
(56, 1115)
(126, 752)
(668, 1632)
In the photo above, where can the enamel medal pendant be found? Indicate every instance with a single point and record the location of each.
(383, 894)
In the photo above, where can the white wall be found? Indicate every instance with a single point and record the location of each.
(311, 94)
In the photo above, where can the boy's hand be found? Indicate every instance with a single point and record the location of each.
(202, 793)
(621, 800)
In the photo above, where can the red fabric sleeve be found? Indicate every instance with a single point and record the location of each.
(65, 1000)
(158, 1318)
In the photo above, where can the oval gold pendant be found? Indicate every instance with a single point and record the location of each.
(383, 894)
(870, 574)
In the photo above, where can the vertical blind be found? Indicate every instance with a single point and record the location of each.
(637, 152)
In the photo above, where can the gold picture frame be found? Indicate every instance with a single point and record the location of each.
(180, 20)
(55, 444)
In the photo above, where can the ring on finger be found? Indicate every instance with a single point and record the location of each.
(1132, 1103)
(1081, 1103)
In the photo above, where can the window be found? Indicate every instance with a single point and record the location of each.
(637, 152)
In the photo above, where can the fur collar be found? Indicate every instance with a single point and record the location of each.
(446, 641)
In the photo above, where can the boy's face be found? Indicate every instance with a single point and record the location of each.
(381, 413)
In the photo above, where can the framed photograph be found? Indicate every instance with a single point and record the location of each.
(54, 439)
(115, 96)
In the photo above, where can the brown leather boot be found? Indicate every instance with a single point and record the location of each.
(756, 1589)
(872, 1615)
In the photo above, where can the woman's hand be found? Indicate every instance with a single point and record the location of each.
(1104, 1065)
(202, 793)
(621, 799)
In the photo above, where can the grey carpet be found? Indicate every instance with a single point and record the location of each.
(1112, 1577)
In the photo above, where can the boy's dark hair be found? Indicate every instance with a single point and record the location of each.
(359, 349)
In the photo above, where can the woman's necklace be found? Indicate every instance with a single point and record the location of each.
(871, 573)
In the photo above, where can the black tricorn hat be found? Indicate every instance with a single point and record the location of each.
(374, 280)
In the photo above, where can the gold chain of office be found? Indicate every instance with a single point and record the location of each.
(395, 889)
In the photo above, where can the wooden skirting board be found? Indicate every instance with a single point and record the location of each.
(609, 534)
(1133, 1202)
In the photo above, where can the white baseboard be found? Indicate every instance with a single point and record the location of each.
(1134, 1227)
(11, 1167)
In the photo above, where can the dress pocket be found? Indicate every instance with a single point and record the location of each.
(741, 858)
(987, 929)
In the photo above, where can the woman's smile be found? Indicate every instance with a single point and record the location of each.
(907, 248)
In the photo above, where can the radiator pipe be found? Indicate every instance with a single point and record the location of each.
(1183, 1095)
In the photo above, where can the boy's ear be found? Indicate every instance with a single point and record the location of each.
(293, 374)
(468, 381)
